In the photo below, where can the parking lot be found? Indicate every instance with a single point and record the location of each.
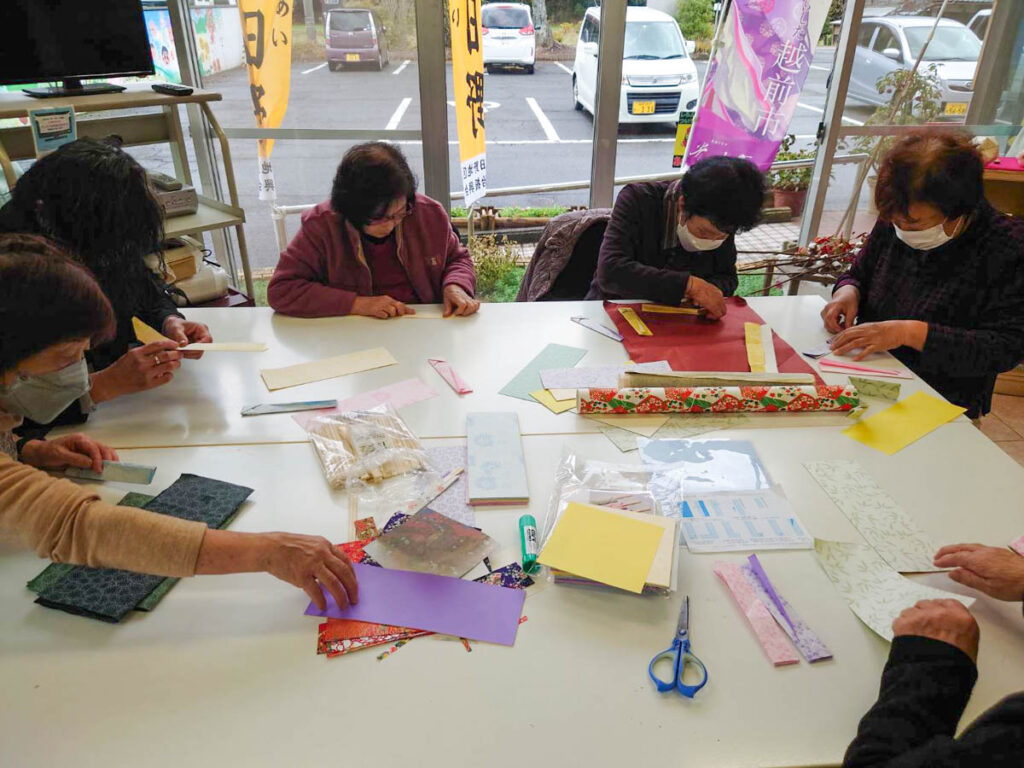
(534, 135)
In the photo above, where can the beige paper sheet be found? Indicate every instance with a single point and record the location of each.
(225, 346)
(645, 424)
(329, 368)
(563, 394)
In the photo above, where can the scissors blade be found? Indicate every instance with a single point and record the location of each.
(683, 627)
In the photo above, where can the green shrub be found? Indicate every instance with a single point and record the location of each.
(696, 19)
(497, 273)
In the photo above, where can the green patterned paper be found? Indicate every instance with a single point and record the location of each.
(528, 379)
(887, 390)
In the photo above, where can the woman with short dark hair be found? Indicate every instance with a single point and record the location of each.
(94, 199)
(939, 282)
(673, 241)
(374, 248)
(51, 310)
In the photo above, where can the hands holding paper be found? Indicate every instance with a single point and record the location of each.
(75, 450)
(880, 337)
(381, 307)
(840, 313)
(185, 332)
(947, 621)
(308, 562)
(146, 367)
(706, 295)
(997, 572)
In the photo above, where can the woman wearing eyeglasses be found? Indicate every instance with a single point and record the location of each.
(374, 248)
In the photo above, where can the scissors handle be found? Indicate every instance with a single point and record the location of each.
(679, 659)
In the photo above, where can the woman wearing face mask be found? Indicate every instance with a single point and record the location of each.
(374, 248)
(51, 311)
(674, 241)
(940, 281)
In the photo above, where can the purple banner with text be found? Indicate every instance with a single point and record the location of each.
(754, 83)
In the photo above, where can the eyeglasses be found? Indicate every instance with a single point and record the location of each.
(395, 218)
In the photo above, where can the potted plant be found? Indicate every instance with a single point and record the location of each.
(789, 185)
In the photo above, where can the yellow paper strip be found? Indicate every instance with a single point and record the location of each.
(329, 368)
(899, 425)
(642, 424)
(755, 349)
(660, 309)
(145, 333)
(600, 545)
(544, 397)
(635, 322)
(226, 346)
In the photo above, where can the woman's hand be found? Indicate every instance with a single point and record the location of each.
(945, 620)
(146, 367)
(308, 562)
(840, 313)
(880, 337)
(186, 332)
(459, 303)
(382, 307)
(997, 572)
(75, 450)
(706, 295)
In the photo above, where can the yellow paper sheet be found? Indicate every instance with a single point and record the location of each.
(660, 574)
(145, 333)
(661, 309)
(755, 348)
(642, 424)
(226, 346)
(544, 397)
(563, 394)
(899, 425)
(635, 322)
(329, 368)
(603, 546)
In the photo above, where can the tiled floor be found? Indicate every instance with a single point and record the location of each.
(1004, 425)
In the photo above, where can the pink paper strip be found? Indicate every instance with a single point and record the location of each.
(772, 639)
(397, 395)
(1018, 546)
(446, 372)
(866, 369)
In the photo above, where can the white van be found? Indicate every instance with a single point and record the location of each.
(509, 36)
(659, 79)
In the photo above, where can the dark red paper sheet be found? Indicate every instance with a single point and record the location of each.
(692, 344)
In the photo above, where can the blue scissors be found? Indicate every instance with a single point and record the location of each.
(680, 656)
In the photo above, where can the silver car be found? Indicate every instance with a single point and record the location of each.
(888, 43)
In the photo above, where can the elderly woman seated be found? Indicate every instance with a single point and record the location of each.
(940, 281)
(374, 248)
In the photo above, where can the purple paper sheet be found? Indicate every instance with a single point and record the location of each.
(807, 642)
(435, 603)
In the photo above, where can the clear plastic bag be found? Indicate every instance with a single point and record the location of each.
(601, 483)
(368, 446)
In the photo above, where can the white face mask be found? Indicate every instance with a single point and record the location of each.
(43, 398)
(691, 242)
(924, 239)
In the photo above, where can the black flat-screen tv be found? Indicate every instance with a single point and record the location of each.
(68, 41)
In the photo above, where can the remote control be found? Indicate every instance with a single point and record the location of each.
(163, 182)
(171, 90)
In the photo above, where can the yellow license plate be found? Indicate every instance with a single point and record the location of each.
(956, 108)
(643, 107)
(351, 57)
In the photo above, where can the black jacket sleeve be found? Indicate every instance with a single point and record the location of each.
(154, 304)
(724, 275)
(925, 687)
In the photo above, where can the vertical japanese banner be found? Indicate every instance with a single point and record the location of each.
(468, 83)
(754, 83)
(267, 31)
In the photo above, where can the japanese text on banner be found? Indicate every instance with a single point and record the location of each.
(267, 31)
(754, 83)
(468, 82)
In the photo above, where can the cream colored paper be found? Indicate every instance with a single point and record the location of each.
(563, 394)
(329, 368)
(873, 590)
(226, 346)
(883, 523)
(544, 397)
(644, 424)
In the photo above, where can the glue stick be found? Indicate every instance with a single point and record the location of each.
(528, 540)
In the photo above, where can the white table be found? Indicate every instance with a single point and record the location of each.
(224, 671)
(202, 405)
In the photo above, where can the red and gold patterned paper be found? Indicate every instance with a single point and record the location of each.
(754, 399)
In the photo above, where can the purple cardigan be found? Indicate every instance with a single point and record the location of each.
(323, 269)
